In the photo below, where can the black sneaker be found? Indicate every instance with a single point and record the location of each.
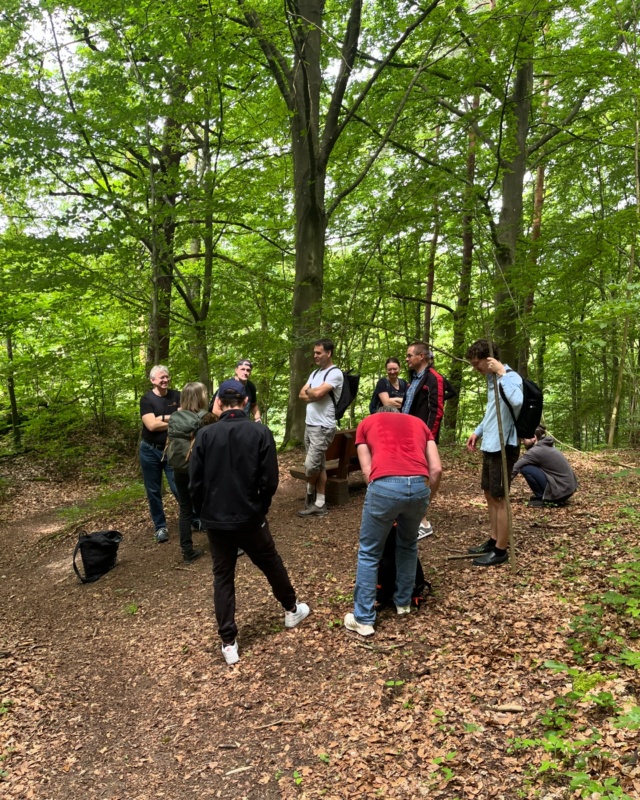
(314, 511)
(191, 555)
(491, 559)
(487, 547)
(536, 503)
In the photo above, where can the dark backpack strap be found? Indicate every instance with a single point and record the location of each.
(331, 394)
(77, 571)
(509, 406)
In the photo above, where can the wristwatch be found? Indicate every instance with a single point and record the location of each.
(163, 417)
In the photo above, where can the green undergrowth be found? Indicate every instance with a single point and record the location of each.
(110, 501)
(568, 744)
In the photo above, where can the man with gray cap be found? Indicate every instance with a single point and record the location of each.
(233, 477)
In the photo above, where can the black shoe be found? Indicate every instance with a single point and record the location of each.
(487, 547)
(310, 499)
(191, 555)
(536, 503)
(491, 559)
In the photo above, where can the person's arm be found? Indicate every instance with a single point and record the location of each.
(385, 400)
(364, 456)
(317, 394)
(435, 467)
(511, 385)
(153, 423)
(256, 412)
(449, 391)
(196, 474)
(268, 470)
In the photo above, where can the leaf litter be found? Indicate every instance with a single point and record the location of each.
(98, 702)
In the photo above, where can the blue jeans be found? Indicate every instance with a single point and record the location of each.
(536, 479)
(152, 465)
(404, 499)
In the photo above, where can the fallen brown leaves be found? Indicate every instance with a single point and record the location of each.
(101, 702)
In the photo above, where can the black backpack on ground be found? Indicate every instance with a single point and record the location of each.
(531, 412)
(98, 552)
(349, 392)
(387, 576)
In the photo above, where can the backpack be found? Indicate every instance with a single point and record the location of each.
(387, 576)
(375, 401)
(98, 552)
(181, 434)
(531, 412)
(349, 391)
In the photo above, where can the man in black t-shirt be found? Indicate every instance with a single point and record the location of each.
(243, 373)
(156, 406)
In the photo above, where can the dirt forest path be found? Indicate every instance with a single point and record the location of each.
(117, 689)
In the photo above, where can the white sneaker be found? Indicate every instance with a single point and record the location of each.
(230, 653)
(352, 624)
(403, 609)
(425, 530)
(292, 618)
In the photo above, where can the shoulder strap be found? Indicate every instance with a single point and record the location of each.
(333, 366)
(508, 404)
(77, 571)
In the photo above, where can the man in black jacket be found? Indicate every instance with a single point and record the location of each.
(425, 397)
(233, 477)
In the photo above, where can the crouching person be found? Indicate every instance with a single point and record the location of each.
(400, 462)
(546, 470)
(233, 477)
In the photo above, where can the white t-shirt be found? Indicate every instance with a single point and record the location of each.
(323, 412)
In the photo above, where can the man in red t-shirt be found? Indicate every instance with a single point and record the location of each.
(400, 462)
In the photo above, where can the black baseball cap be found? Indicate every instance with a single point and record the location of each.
(232, 390)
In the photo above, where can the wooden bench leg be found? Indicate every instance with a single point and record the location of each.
(337, 491)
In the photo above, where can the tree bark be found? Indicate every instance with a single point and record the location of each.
(11, 388)
(508, 228)
(464, 286)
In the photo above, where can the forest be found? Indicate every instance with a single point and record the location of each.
(194, 182)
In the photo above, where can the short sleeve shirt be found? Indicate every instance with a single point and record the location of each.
(322, 413)
(397, 442)
(385, 385)
(151, 403)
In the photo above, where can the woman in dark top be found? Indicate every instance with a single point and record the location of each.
(390, 391)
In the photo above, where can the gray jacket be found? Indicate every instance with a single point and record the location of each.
(562, 480)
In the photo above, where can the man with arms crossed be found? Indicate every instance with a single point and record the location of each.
(244, 368)
(494, 482)
(400, 462)
(156, 406)
(320, 427)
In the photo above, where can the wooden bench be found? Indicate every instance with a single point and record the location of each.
(338, 456)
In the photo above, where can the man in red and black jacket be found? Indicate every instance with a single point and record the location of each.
(425, 398)
(428, 390)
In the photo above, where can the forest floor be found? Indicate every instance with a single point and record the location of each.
(118, 689)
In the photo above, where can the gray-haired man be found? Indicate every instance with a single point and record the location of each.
(156, 406)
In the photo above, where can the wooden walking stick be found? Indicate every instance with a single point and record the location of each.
(505, 476)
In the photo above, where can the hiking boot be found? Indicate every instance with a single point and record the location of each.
(310, 499)
(536, 503)
(425, 530)
(401, 610)
(191, 555)
(230, 653)
(351, 624)
(162, 535)
(314, 511)
(487, 547)
(292, 618)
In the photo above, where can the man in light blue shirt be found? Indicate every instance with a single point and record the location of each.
(494, 551)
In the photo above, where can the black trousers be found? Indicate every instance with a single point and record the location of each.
(261, 549)
(186, 510)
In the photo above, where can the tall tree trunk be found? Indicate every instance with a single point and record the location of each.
(632, 261)
(536, 227)
(11, 388)
(464, 286)
(576, 396)
(508, 228)
(431, 264)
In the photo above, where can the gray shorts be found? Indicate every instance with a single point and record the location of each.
(316, 442)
